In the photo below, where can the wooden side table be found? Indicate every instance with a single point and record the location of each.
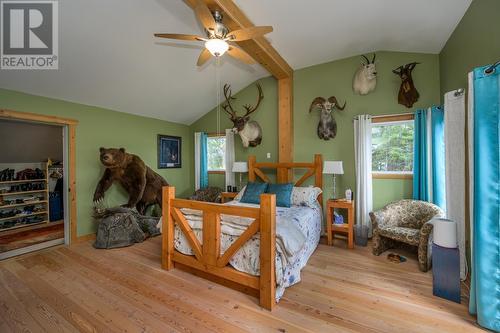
(227, 196)
(345, 228)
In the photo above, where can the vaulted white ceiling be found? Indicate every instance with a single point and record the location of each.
(109, 57)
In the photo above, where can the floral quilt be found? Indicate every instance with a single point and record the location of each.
(298, 230)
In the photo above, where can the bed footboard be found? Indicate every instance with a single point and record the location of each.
(208, 258)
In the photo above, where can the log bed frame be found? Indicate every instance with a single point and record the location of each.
(207, 261)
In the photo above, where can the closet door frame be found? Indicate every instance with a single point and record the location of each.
(69, 135)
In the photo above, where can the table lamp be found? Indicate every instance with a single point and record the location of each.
(333, 168)
(240, 167)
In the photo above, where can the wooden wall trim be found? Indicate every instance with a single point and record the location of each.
(17, 115)
(285, 120)
(381, 175)
(395, 117)
(71, 123)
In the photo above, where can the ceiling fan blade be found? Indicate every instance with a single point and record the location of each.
(204, 15)
(205, 55)
(180, 36)
(249, 33)
(240, 55)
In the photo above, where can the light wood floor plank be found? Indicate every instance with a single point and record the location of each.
(125, 290)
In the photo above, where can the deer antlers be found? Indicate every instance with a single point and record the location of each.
(227, 90)
(249, 109)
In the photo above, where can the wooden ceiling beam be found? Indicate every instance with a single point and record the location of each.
(259, 48)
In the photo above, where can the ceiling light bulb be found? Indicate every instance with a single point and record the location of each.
(217, 46)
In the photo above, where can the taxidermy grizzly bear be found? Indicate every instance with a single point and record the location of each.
(143, 185)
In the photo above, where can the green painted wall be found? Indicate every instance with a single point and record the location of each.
(335, 78)
(475, 42)
(101, 127)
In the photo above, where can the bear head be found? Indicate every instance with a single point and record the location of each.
(112, 157)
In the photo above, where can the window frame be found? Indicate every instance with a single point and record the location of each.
(216, 172)
(391, 120)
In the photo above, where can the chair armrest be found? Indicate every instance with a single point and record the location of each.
(377, 219)
(425, 232)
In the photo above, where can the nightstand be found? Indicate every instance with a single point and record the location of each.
(227, 196)
(345, 228)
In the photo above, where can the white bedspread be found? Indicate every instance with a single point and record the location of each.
(297, 235)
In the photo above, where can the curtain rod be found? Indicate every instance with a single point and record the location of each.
(490, 69)
(388, 115)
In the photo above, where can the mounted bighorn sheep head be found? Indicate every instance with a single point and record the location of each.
(327, 127)
(408, 94)
(365, 79)
(249, 130)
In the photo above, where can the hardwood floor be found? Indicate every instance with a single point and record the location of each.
(78, 288)
(20, 238)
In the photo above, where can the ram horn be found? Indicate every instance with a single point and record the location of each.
(334, 101)
(316, 102)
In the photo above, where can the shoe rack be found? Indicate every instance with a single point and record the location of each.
(24, 203)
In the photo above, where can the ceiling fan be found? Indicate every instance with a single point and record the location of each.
(219, 37)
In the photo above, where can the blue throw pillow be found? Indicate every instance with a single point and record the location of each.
(253, 192)
(283, 194)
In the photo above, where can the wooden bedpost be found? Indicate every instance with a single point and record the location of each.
(251, 168)
(167, 227)
(267, 251)
(318, 177)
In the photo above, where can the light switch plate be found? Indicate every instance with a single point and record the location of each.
(268, 155)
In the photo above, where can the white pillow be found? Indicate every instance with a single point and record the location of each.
(305, 196)
(240, 194)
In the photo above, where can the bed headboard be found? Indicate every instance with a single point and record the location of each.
(285, 172)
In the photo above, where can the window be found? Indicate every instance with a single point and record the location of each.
(392, 149)
(216, 153)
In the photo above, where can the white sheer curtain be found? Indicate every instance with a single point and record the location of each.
(197, 162)
(229, 157)
(363, 161)
(454, 137)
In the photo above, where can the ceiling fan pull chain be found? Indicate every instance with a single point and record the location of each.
(217, 83)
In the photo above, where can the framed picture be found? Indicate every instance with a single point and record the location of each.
(169, 151)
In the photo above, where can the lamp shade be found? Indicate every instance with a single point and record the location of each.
(333, 168)
(240, 167)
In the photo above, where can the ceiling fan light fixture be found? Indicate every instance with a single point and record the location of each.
(217, 47)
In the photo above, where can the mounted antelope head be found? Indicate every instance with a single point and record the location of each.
(365, 79)
(249, 130)
(408, 94)
(327, 126)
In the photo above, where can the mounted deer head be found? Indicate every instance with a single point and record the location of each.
(408, 94)
(327, 126)
(365, 79)
(249, 130)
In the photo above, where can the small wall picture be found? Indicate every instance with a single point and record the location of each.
(169, 151)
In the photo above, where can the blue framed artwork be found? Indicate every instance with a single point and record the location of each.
(169, 151)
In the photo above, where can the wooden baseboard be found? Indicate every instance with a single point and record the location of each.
(85, 238)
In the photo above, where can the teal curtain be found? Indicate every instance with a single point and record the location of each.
(429, 157)
(485, 188)
(438, 173)
(203, 160)
(420, 163)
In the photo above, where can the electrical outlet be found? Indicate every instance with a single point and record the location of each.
(268, 155)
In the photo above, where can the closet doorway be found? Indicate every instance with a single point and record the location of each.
(34, 184)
